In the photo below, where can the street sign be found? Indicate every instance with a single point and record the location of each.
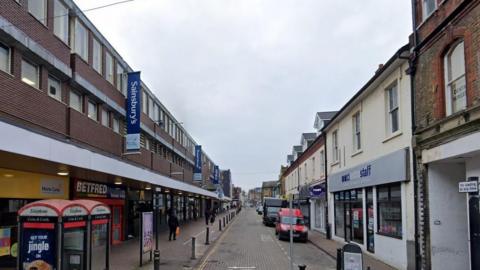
(469, 186)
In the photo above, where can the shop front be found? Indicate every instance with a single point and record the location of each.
(302, 202)
(138, 201)
(111, 195)
(369, 206)
(318, 207)
(19, 188)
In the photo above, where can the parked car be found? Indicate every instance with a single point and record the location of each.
(271, 206)
(286, 220)
(260, 209)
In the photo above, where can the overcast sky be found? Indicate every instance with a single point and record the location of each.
(246, 77)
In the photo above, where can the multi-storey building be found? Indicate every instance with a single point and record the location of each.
(369, 170)
(446, 66)
(62, 118)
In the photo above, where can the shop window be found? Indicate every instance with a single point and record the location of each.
(38, 8)
(455, 84)
(76, 101)
(392, 109)
(356, 197)
(109, 67)
(4, 58)
(30, 74)
(389, 206)
(81, 40)
(97, 56)
(357, 143)
(339, 215)
(60, 20)
(54, 88)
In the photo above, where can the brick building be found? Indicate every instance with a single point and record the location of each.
(445, 67)
(62, 114)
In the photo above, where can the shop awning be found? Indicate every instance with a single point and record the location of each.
(42, 147)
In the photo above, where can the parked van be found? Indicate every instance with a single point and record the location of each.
(286, 219)
(271, 206)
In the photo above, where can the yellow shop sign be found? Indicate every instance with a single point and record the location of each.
(25, 185)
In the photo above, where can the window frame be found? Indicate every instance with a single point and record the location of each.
(99, 68)
(78, 94)
(59, 18)
(357, 132)
(336, 155)
(9, 58)
(108, 77)
(449, 80)
(120, 83)
(60, 90)
(389, 200)
(45, 11)
(95, 105)
(426, 15)
(390, 111)
(37, 73)
(116, 124)
(105, 117)
(79, 25)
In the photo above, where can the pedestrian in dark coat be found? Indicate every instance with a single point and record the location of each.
(172, 225)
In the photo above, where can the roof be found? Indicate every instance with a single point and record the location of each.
(326, 115)
(310, 136)
(289, 158)
(268, 184)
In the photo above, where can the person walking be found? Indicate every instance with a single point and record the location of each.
(172, 225)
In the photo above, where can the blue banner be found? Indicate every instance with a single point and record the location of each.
(133, 112)
(197, 170)
(216, 175)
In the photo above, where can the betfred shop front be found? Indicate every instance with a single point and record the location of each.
(17, 189)
(111, 195)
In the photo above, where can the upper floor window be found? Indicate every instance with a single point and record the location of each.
(97, 56)
(144, 102)
(429, 7)
(150, 108)
(109, 67)
(455, 84)
(116, 125)
(335, 153)
(30, 74)
(121, 85)
(60, 20)
(54, 88)
(313, 167)
(156, 113)
(81, 40)
(392, 108)
(357, 142)
(92, 110)
(76, 101)
(38, 8)
(105, 118)
(4, 58)
(322, 162)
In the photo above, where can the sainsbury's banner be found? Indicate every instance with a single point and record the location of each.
(133, 112)
(197, 170)
(216, 175)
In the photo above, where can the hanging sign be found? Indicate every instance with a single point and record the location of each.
(197, 170)
(134, 103)
(216, 175)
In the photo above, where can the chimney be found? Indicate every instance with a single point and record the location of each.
(380, 66)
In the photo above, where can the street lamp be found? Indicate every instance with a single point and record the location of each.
(156, 206)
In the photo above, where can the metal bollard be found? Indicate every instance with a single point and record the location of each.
(156, 259)
(207, 236)
(193, 248)
(339, 259)
(219, 225)
(224, 222)
(302, 267)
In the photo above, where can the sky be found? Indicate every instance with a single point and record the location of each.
(246, 77)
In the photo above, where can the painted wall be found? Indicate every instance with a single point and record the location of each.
(314, 171)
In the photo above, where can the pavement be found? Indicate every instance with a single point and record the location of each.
(330, 247)
(174, 255)
(248, 244)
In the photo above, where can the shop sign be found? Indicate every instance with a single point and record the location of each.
(197, 170)
(98, 190)
(387, 169)
(134, 104)
(469, 186)
(52, 186)
(38, 249)
(317, 190)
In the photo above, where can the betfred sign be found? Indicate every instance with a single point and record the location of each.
(84, 189)
(469, 186)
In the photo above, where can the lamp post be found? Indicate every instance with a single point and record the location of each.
(156, 206)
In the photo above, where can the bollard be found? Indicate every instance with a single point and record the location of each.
(302, 267)
(219, 225)
(156, 260)
(224, 222)
(339, 259)
(207, 236)
(193, 248)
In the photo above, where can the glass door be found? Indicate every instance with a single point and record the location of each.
(370, 223)
(348, 222)
(116, 224)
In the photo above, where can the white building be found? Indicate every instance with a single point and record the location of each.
(369, 167)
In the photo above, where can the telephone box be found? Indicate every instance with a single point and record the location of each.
(52, 236)
(98, 229)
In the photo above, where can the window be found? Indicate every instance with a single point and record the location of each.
(76, 101)
(109, 67)
(121, 86)
(322, 163)
(105, 120)
(30, 74)
(116, 125)
(150, 108)
(38, 8)
(357, 143)
(156, 113)
(339, 214)
(92, 110)
(429, 7)
(54, 88)
(392, 106)
(81, 40)
(389, 203)
(335, 146)
(455, 86)
(97, 56)
(4, 58)
(60, 20)
(144, 102)
(306, 173)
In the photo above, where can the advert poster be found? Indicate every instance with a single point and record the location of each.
(5, 241)
(38, 249)
(147, 231)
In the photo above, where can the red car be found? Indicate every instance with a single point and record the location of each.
(284, 221)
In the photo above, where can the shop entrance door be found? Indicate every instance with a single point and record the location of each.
(348, 222)
(474, 210)
(116, 224)
(370, 224)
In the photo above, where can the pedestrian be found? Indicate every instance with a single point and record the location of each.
(172, 225)
(207, 216)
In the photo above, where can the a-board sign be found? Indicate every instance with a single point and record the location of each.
(352, 257)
